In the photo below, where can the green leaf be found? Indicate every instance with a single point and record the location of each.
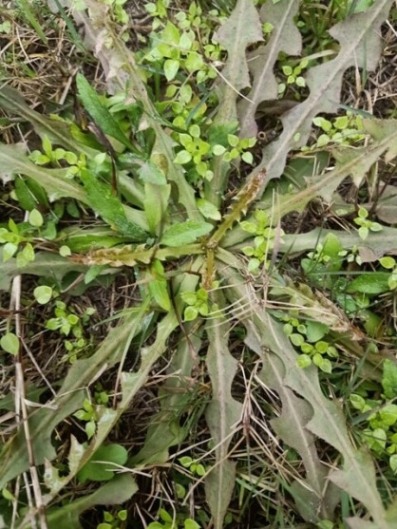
(27, 12)
(100, 467)
(389, 379)
(158, 286)
(151, 173)
(388, 262)
(171, 68)
(42, 294)
(393, 463)
(45, 264)
(185, 233)
(108, 206)
(10, 343)
(191, 524)
(65, 251)
(57, 130)
(183, 157)
(371, 283)
(9, 250)
(208, 210)
(99, 112)
(185, 461)
(35, 218)
(29, 193)
(190, 313)
(13, 161)
(218, 150)
(315, 331)
(303, 361)
(155, 205)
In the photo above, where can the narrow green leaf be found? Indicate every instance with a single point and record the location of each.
(371, 283)
(185, 233)
(28, 14)
(389, 380)
(108, 206)
(155, 205)
(98, 111)
(57, 130)
(158, 286)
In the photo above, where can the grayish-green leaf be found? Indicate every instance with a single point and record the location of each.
(240, 30)
(291, 428)
(115, 492)
(360, 46)
(14, 457)
(284, 37)
(386, 208)
(13, 161)
(375, 245)
(223, 416)
(49, 265)
(155, 205)
(327, 421)
(165, 430)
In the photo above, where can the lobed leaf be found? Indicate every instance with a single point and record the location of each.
(375, 245)
(13, 161)
(165, 428)
(360, 46)
(114, 492)
(285, 37)
(45, 265)
(291, 428)
(327, 421)
(223, 415)
(240, 30)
